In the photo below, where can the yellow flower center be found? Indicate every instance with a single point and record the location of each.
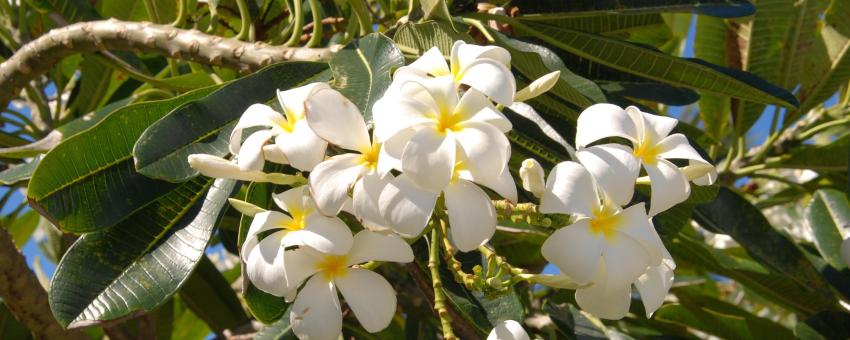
(448, 121)
(647, 152)
(459, 166)
(605, 221)
(291, 119)
(369, 158)
(333, 266)
(298, 222)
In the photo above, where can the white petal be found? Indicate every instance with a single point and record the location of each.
(700, 173)
(254, 115)
(508, 330)
(502, 184)
(493, 117)
(273, 153)
(292, 200)
(569, 190)
(370, 296)
(626, 259)
(637, 225)
(394, 148)
(337, 120)
(251, 153)
(325, 234)
(538, 86)
(331, 180)
(601, 121)
(533, 179)
(293, 100)
(655, 127)
(669, 186)
(316, 313)
(263, 221)
(299, 264)
(654, 285)
(492, 78)
(486, 148)
(429, 159)
(604, 300)
(464, 54)
(365, 203)
(372, 246)
(575, 250)
(406, 207)
(529, 113)
(302, 146)
(431, 63)
(676, 146)
(439, 93)
(474, 106)
(393, 114)
(471, 215)
(614, 168)
(264, 265)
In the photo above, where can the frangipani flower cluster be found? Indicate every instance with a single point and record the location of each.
(436, 142)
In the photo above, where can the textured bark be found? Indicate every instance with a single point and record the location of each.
(24, 296)
(38, 56)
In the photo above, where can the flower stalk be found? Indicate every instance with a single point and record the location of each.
(437, 284)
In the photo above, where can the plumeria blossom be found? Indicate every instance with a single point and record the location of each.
(337, 120)
(483, 68)
(316, 312)
(294, 141)
(407, 207)
(508, 330)
(653, 148)
(217, 167)
(429, 128)
(607, 246)
(304, 226)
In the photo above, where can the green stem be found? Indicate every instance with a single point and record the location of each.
(37, 97)
(182, 13)
(132, 72)
(363, 16)
(151, 92)
(245, 18)
(820, 128)
(437, 284)
(480, 27)
(150, 7)
(316, 36)
(789, 182)
(298, 27)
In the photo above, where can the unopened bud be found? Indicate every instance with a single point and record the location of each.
(538, 87)
(217, 167)
(532, 177)
(555, 281)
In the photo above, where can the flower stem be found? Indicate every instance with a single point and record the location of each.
(316, 35)
(245, 17)
(297, 15)
(439, 295)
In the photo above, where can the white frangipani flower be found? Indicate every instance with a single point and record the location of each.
(407, 207)
(653, 147)
(607, 246)
(429, 128)
(295, 142)
(484, 68)
(337, 120)
(508, 330)
(655, 283)
(532, 176)
(217, 167)
(316, 312)
(304, 226)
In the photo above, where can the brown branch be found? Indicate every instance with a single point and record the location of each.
(38, 56)
(24, 296)
(464, 330)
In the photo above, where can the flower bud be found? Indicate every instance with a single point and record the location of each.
(555, 281)
(217, 167)
(538, 87)
(532, 177)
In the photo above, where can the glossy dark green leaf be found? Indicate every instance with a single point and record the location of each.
(720, 8)
(363, 70)
(710, 45)
(19, 172)
(88, 182)
(816, 87)
(280, 330)
(137, 265)
(721, 323)
(208, 294)
(655, 65)
(600, 22)
(21, 227)
(733, 215)
(418, 38)
(187, 325)
(827, 213)
(204, 124)
(572, 323)
(824, 325)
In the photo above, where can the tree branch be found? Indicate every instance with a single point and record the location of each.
(24, 296)
(38, 56)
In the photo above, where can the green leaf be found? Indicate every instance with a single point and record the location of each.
(187, 325)
(824, 325)
(710, 45)
(205, 123)
(22, 226)
(137, 265)
(19, 172)
(70, 10)
(719, 8)
(10, 328)
(280, 330)
(817, 87)
(573, 323)
(418, 38)
(733, 215)
(363, 70)
(827, 213)
(97, 83)
(435, 9)
(652, 64)
(728, 323)
(209, 296)
(829, 157)
(599, 22)
(88, 182)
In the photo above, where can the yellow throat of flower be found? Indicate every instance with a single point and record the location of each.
(369, 158)
(291, 119)
(647, 152)
(605, 221)
(459, 167)
(299, 220)
(333, 266)
(448, 121)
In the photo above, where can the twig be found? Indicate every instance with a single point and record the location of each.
(437, 284)
(39, 55)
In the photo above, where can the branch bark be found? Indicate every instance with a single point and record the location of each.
(38, 56)
(24, 296)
